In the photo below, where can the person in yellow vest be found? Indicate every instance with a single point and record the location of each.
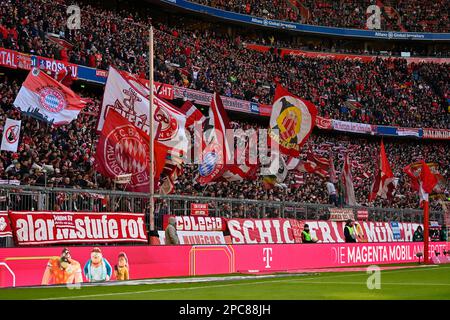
(349, 231)
(306, 235)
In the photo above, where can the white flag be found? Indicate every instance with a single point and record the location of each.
(11, 134)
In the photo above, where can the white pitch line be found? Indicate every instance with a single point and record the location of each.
(427, 268)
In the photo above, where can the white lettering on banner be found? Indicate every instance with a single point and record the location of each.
(247, 225)
(198, 223)
(326, 232)
(264, 231)
(286, 228)
(7, 58)
(45, 227)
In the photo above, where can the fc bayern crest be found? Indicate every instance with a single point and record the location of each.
(127, 153)
(168, 125)
(212, 164)
(52, 99)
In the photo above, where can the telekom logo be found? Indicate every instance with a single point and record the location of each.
(267, 258)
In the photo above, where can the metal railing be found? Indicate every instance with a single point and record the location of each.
(37, 198)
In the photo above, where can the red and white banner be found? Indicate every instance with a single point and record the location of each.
(11, 135)
(8, 58)
(197, 223)
(48, 227)
(199, 209)
(324, 123)
(5, 227)
(247, 231)
(196, 237)
(46, 99)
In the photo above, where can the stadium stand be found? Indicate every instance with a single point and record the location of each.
(397, 15)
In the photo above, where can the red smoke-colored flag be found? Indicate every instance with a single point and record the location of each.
(124, 149)
(293, 118)
(46, 99)
(383, 184)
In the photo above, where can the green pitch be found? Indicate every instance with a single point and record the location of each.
(431, 282)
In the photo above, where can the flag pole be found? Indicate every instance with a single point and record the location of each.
(151, 111)
(426, 224)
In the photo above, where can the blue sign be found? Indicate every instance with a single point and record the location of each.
(254, 107)
(395, 230)
(330, 31)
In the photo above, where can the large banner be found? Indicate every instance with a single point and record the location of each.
(197, 223)
(247, 231)
(333, 231)
(30, 266)
(5, 227)
(47, 227)
(196, 237)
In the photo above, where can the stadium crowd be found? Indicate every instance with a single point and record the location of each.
(385, 91)
(396, 15)
(64, 157)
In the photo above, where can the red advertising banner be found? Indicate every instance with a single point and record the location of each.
(8, 58)
(197, 223)
(362, 215)
(247, 231)
(47, 227)
(5, 227)
(199, 209)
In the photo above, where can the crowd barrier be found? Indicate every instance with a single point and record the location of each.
(26, 266)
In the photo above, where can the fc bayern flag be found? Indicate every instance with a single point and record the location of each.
(294, 118)
(46, 99)
(124, 149)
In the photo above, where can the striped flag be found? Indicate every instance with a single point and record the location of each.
(299, 180)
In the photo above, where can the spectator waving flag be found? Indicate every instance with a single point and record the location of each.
(294, 118)
(46, 99)
(384, 183)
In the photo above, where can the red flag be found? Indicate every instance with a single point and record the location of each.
(124, 149)
(46, 99)
(294, 118)
(428, 180)
(423, 182)
(192, 114)
(383, 184)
